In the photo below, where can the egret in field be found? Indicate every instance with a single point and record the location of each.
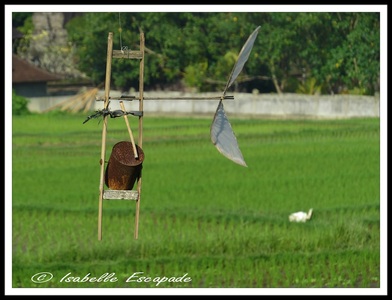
(301, 216)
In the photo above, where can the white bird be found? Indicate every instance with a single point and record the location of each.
(301, 216)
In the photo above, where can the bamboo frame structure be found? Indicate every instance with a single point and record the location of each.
(120, 194)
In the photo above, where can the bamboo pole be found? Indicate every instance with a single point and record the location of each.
(92, 100)
(81, 102)
(69, 104)
(104, 130)
(131, 98)
(60, 104)
(140, 137)
(129, 130)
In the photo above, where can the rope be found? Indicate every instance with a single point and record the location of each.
(120, 29)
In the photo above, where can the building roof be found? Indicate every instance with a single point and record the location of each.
(24, 71)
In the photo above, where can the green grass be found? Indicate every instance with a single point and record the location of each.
(223, 225)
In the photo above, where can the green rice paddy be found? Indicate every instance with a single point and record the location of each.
(205, 222)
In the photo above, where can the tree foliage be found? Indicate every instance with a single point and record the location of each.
(326, 52)
(19, 105)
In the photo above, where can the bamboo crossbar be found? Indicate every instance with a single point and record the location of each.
(131, 98)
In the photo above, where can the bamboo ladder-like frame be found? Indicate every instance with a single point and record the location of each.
(129, 194)
(121, 194)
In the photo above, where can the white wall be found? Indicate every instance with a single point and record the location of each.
(262, 105)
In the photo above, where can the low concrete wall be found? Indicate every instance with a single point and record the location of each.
(256, 105)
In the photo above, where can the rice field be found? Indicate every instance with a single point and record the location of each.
(205, 222)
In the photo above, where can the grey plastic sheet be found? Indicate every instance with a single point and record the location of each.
(223, 137)
(242, 58)
(222, 134)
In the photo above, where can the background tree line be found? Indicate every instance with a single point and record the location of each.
(309, 52)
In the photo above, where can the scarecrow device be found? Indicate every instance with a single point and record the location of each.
(124, 168)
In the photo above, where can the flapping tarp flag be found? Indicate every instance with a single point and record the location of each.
(222, 135)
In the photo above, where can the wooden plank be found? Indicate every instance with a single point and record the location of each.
(127, 54)
(120, 195)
